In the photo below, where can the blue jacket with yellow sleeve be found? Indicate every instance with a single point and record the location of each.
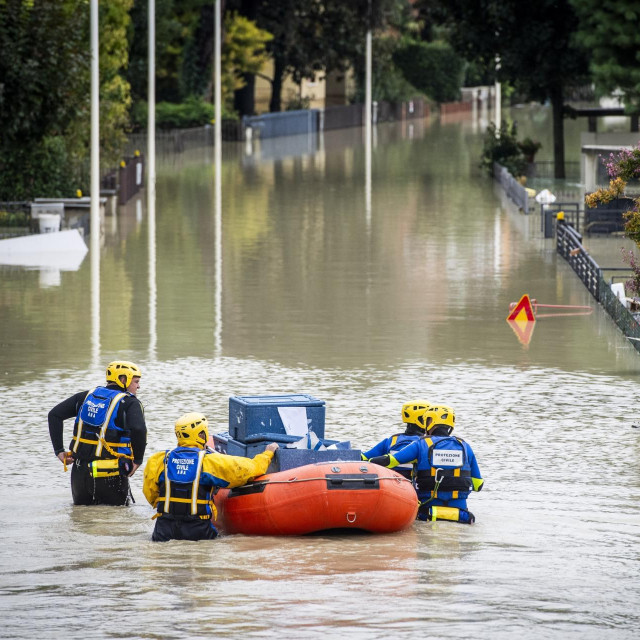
(393, 444)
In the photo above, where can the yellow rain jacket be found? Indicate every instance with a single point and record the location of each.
(211, 470)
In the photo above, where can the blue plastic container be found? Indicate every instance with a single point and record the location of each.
(253, 415)
(224, 443)
(286, 459)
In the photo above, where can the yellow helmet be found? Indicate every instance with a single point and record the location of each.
(121, 368)
(413, 412)
(439, 415)
(192, 430)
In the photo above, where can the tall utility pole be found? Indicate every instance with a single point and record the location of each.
(367, 118)
(151, 102)
(95, 185)
(218, 177)
(95, 128)
(151, 177)
(498, 92)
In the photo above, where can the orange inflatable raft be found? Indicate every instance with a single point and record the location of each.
(317, 497)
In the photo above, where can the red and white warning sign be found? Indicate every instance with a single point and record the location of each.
(522, 320)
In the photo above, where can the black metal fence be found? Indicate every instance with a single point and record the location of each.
(546, 169)
(549, 214)
(589, 221)
(130, 177)
(569, 246)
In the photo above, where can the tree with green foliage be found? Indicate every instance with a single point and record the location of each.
(45, 80)
(169, 42)
(184, 54)
(244, 52)
(388, 83)
(310, 37)
(44, 64)
(609, 30)
(115, 91)
(534, 42)
(432, 67)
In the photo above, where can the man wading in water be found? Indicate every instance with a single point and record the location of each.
(109, 437)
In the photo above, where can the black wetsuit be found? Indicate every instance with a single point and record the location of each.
(86, 489)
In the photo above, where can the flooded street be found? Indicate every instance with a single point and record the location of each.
(362, 307)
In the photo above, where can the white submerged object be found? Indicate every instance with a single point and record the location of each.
(63, 250)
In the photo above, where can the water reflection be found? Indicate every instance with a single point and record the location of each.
(153, 286)
(310, 300)
(95, 297)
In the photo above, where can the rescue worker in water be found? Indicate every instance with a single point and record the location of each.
(180, 483)
(109, 437)
(446, 471)
(412, 414)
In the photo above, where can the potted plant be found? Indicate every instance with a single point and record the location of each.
(529, 149)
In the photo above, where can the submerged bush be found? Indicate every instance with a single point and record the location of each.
(503, 149)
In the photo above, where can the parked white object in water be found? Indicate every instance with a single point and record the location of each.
(64, 250)
(49, 222)
(620, 293)
(545, 197)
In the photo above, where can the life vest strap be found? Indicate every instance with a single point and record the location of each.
(188, 500)
(214, 510)
(108, 446)
(115, 401)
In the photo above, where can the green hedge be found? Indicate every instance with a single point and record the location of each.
(14, 219)
(193, 112)
(47, 169)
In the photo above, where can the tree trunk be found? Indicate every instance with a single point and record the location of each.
(557, 103)
(275, 104)
(244, 99)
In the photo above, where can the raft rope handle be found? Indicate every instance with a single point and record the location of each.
(295, 479)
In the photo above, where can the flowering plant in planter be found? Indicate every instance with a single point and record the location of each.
(622, 167)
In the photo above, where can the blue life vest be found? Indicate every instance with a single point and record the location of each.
(95, 434)
(443, 469)
(182, 494)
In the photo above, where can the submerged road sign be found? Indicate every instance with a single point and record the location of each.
(523, 311)
(522, 320)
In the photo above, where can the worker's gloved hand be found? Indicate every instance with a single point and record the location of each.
(65, 457)
(383, 461)
(272, 447)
